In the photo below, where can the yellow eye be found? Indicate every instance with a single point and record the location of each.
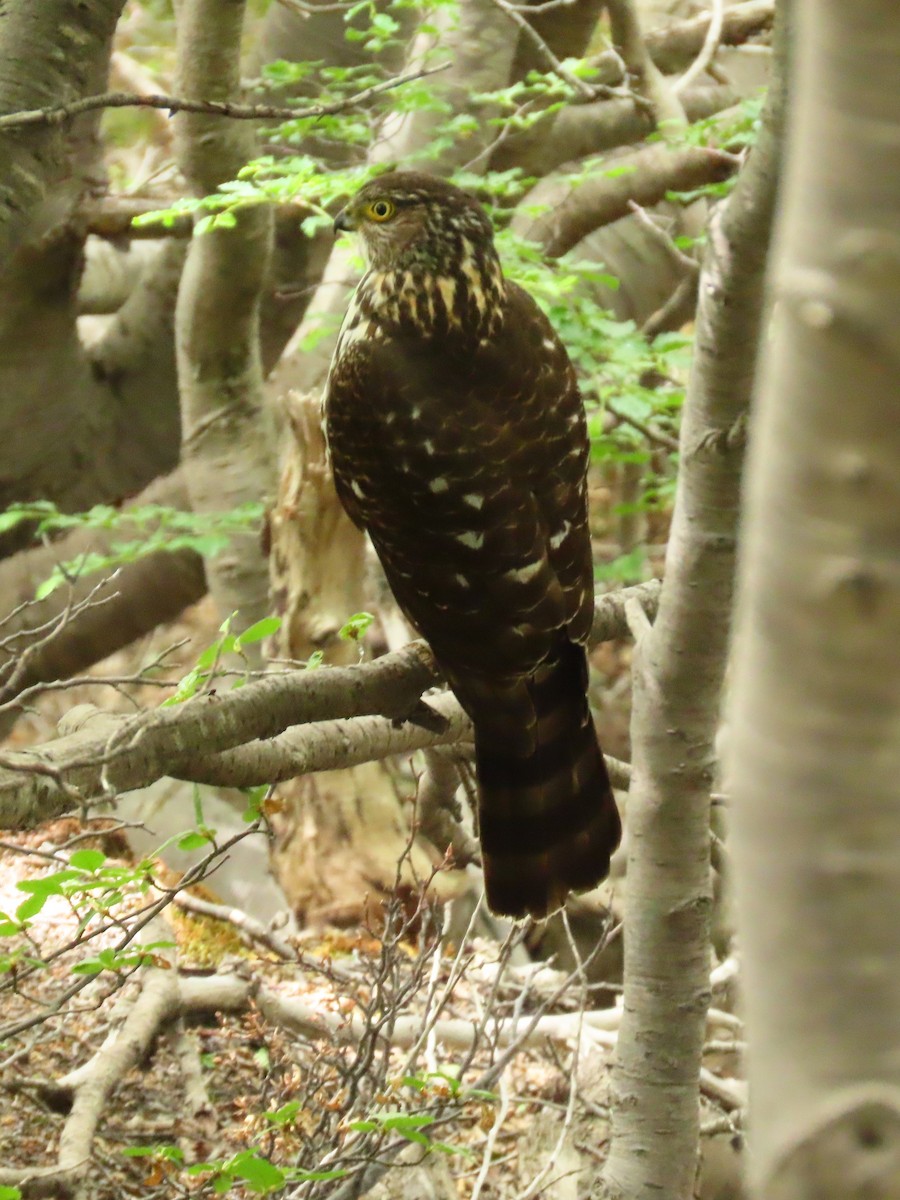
(380, 210)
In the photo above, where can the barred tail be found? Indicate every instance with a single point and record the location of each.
(548, 820)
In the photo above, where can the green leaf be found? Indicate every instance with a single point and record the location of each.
(260, 1174)
(414, 1081)
(88, 860)
(447, 1148)
(285, 1114)
(89, 966)
(356, 627)
(10, 1193)
(262, 629)
(31, 907)
(194, 841)
(402, 1122)
(49, 585)
(167, 1153)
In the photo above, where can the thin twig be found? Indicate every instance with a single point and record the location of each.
(583, 88)
(59, 114)
(650, 433)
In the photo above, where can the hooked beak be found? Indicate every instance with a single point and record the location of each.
(343, 222)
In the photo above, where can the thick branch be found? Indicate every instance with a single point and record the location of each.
(643, 177)
(580, 130)
(154, 743)
(113, 754)
(673, 47)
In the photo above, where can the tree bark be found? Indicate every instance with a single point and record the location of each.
(678, 672)
(49, 53)
(228, 435)
(816, 694)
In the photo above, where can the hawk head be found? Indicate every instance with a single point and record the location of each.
(430, 249)
(407, 219)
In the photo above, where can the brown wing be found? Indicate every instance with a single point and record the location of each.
(467, 468)
(468, 471)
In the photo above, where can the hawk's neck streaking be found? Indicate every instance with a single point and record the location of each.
(454, 287)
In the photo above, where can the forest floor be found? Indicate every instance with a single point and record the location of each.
(468, 1070)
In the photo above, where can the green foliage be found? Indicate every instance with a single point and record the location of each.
(209, 660)
(735, 130)
(90, 885)
(447, 1081)
(248, 1167)
(356, 627)
(409, 1126)
(159, 527)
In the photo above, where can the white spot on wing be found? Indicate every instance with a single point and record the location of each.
(473, 499)
(523, 574)
(357, 490)
(471, 539)
(438, 485)
(558, 538)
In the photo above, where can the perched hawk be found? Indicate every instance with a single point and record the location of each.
(459, 443)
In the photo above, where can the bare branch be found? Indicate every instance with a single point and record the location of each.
(581, 86)
(627, 36)
(239, 736)
(143, 594)
(649, 431)
(707, 50)
(643, 177)
(674, 46)
(61, 113)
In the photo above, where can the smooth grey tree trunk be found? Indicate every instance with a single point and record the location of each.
(815, 766)
(678, 672)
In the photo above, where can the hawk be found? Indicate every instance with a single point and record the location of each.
(458, 440)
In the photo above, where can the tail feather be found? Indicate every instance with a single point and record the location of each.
(547, 816)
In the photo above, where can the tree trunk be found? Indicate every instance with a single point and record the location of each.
(49, 53)
(228, 435)
(816, 696)
(678, 671)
